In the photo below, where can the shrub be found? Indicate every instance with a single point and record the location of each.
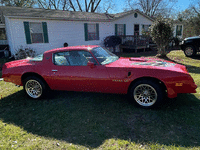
(23, 53)
(161, 33)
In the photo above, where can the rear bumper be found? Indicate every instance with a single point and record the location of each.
(13, 78)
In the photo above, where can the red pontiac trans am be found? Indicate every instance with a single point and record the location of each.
(95, 69)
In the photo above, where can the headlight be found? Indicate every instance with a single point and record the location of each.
(182, 42)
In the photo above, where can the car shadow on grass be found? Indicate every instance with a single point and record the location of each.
(89, 119)
(197, 56)
(191, 69)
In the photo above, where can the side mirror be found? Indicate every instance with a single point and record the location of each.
(91, 64)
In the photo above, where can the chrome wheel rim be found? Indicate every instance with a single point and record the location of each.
(145, 95)
(33, 88)
(189, 51)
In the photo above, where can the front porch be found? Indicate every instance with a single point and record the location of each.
(136, 42)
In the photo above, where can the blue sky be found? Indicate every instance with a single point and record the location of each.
(179, 6)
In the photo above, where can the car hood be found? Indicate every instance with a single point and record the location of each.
(151, 63)
(194, 37)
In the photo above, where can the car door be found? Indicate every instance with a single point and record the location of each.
(71, 72)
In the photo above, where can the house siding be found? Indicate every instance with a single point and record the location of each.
(9, 35)
(59, 32)
(130, 20)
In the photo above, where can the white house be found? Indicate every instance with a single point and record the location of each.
(178, 29)
(43, 30)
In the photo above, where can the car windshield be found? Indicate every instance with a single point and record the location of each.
(104, 56)
(37, 58)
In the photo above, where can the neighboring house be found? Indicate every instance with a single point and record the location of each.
(43, 30)
(178, 29)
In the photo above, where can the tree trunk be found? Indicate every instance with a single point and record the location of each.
(161, 52)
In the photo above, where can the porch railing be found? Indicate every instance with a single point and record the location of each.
(135, 42)
(3, 42)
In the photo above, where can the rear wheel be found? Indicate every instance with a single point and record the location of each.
(34, 87)
(190, 51)
(146, 94)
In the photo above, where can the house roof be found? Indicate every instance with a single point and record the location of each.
(123, 14)
(18, 12)
(177, 22)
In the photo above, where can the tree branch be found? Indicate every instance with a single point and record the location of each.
(97, 5)
(79, 5)
(86, 9)
(72, 6)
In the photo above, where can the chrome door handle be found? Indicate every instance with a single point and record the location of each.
(54, 70)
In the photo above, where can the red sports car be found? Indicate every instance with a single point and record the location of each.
(95, 69)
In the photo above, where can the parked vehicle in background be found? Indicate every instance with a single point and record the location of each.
(147, 81)
(190, 46)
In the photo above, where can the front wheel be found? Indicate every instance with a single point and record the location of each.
(189, 51)
(146, 94)
(34, 87)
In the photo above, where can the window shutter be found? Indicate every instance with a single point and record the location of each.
(115, 29)
(176, 30)
(97, 31)
(45, 32)
(27, 32)
(124, 29)
(181, 30)
(86, 31)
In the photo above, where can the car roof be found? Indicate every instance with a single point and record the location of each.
(73, 48)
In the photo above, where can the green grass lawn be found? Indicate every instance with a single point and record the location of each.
(77, 120)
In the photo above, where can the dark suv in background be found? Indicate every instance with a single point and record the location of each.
(190, 46)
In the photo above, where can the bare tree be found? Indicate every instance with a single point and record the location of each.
(108, 5)
(152, 7)
(50, 4)
(17, 3)
(191, 20)
(74, 5)
(195, 8)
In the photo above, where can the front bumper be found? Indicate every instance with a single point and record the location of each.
(181, 88)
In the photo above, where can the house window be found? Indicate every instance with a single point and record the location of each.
(36, 32)
(145, 28)
(135, 15)
(179, 30)
(120, 29)
(91, 32)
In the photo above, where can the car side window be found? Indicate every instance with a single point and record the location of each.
(88, 56)
(80, 58)
(73, 58)
(60, 59)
